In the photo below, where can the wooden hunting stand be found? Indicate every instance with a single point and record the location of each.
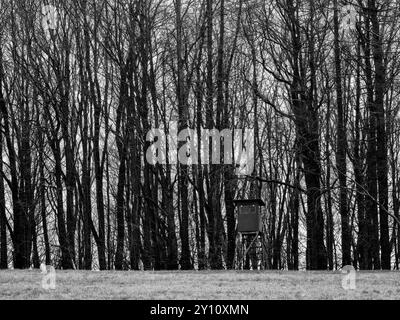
(252, 244)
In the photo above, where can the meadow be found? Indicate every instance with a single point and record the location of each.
(181, 285)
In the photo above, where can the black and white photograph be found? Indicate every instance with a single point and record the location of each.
(226, 151)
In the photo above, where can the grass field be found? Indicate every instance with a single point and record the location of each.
(198, 285)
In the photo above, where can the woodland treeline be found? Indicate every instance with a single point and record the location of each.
(318, 81)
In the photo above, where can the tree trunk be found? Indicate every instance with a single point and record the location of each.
(341, 147)
(182, 125)
(381, 140)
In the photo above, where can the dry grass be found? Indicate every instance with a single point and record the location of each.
(198, 285)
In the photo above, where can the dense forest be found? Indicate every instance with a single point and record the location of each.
(82, 82)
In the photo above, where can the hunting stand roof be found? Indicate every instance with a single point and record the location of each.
(249, 202)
